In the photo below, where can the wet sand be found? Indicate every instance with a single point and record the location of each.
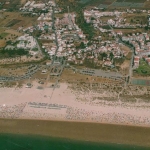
(94, 132)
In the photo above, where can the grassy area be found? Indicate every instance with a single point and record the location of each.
(87, 28)
(143, 69)
(104, 19)
(74, 6)
(3, 35)
(130, 31)
(16, 19)
(35, 49)
(12, 53)
(135, 18)
(11, 5)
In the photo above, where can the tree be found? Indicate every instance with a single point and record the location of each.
(111, 55)
(92, 18)
(104, 55)
(82, 45)
(146, 28)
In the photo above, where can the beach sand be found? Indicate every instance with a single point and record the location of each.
(29, 111)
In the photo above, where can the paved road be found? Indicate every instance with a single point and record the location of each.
(56, 39)
(38, 46)
(58, 63)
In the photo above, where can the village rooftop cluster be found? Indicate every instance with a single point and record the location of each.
(61, 36)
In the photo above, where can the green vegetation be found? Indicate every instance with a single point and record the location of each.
(45, 54)
(119, 60)
(12, 5)
(87, 28)
(143, 69)
(36, 33)
(3, 35)
(89, 63)
(74, 6)
(35, 49)
(12, 53)
(81, 46)
(134, 19)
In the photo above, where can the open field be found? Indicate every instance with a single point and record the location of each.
(126, 64)
(3, 35)
(104, 19)
(143, 69)
(9, 34)
(128, 31)
(13, 5)
(10, 23)
(13, 70)
(15, 19)
(23, 2)
(2, 43)
(147, 4)
(136, 18)
(69, 75)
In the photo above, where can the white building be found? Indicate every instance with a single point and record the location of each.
(26, 42)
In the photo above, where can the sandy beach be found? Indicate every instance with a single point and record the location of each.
(24, 108)
(62, 104)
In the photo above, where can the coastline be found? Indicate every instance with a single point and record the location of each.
(60, 114)
(63, 104)
(81, 131)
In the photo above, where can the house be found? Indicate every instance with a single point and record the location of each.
(26, 42)
(136, 61)
(107, 63)
(9, 47)
(33, 53)
(147, 59)
(44, 70)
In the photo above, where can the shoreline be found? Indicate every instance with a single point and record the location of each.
(62, 113)
(81, 131)
(78, 121)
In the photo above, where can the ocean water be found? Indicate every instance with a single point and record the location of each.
(30, 142)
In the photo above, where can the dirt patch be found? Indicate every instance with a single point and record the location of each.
(2, 43)
(125, 67)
